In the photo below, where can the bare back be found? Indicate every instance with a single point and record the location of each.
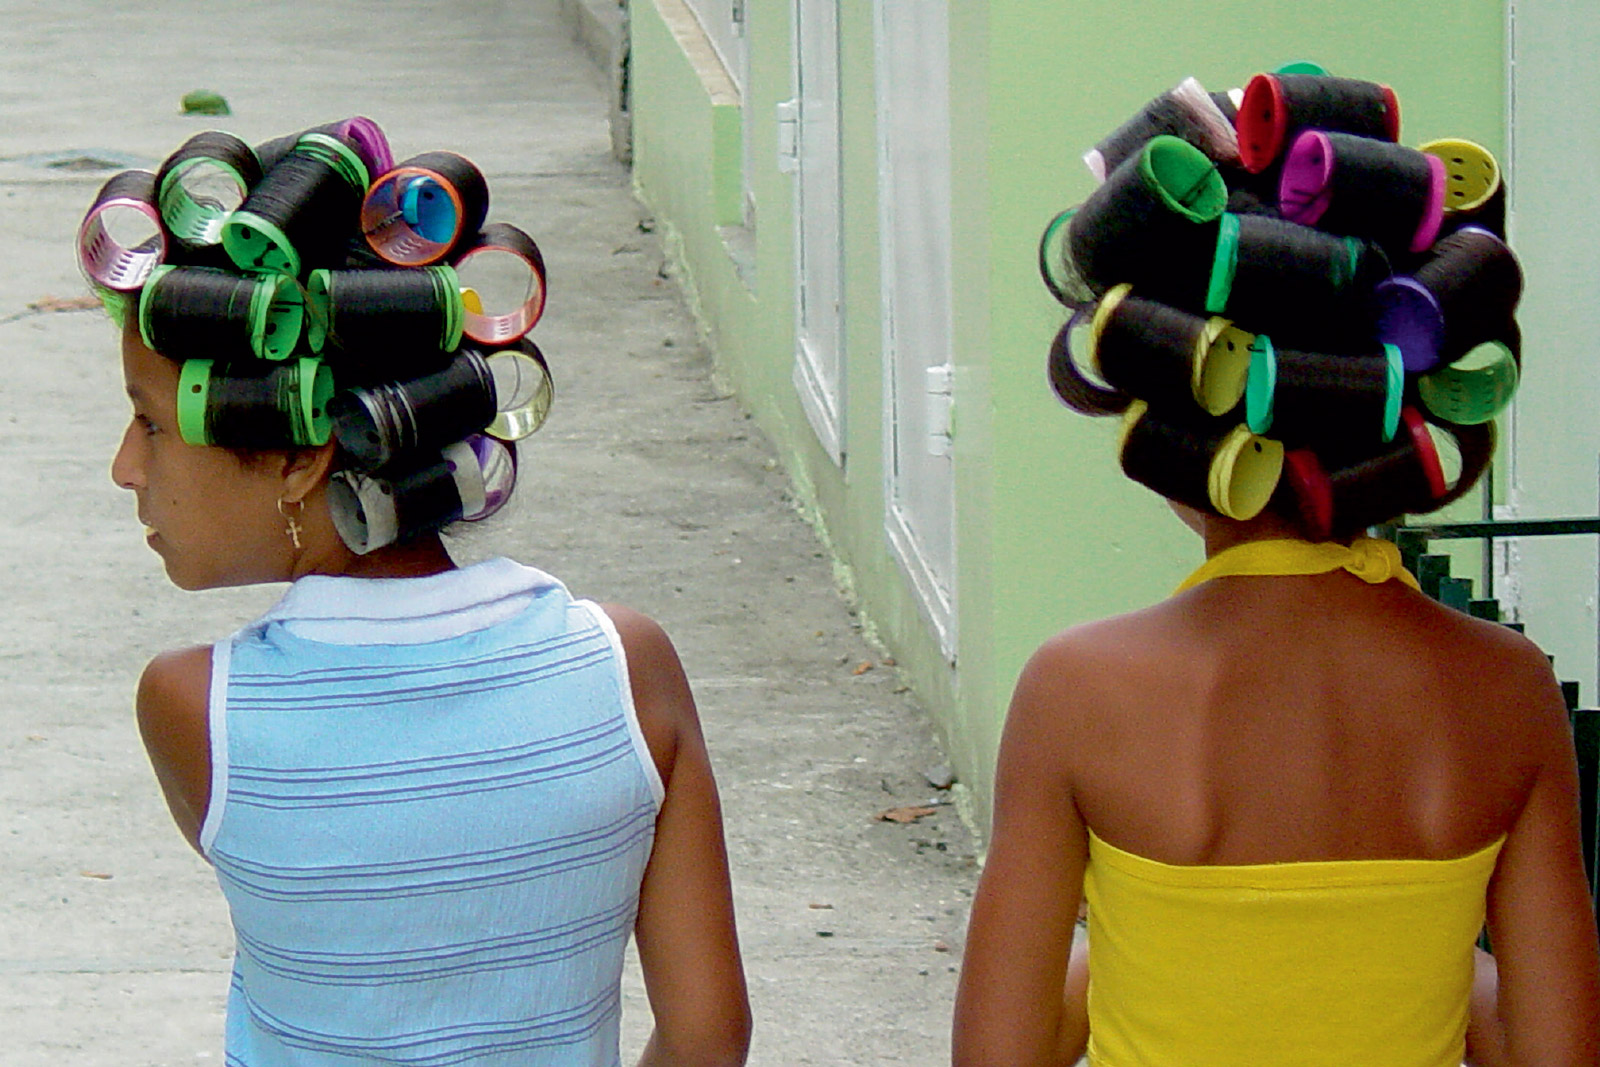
(1297, 718)
(1274, 720)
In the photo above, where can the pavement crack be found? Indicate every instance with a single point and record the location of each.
(52, 305)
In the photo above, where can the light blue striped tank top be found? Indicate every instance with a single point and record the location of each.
(431, 810)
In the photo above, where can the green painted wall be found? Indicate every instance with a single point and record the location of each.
(1048, 531)
(750, 322)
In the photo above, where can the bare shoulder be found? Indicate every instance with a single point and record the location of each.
(1095, 661)
(1527, 691)
(174, 722)
(661, 695)
(1085, 688)
(1484, 659)
(654, 669)
(1512, 651)
(645, 642)
(176, 686)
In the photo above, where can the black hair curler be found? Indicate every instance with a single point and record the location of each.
(364, 137)
(468, 480)
(1067, 378)
(1336, 403)
(1402, 477)
(1464, 294)
(381, 324)
(1476, 387)
(393, 422)
(1380, 191)
(203, 313)
(1211, 464)
(302, 213)
(1168, 357)
(1475, 193)
(1145, 224)
(1186, 111)
(1278, 106)
(254, 404)
(1298, 285)
(201, 183)
(503, 284)
(1057, 268)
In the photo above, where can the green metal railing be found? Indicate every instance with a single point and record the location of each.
(1433, 574)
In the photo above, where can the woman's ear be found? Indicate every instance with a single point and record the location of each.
(305, 469)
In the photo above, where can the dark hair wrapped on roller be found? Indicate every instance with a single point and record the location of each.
(313, 289)
(1305, 316)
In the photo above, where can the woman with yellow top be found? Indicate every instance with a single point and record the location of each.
(1294, 793)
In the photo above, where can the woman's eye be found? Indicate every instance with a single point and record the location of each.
(145, 424)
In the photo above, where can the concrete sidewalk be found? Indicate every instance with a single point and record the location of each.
(648, 486)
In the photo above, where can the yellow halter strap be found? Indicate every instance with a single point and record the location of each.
(1367, 558)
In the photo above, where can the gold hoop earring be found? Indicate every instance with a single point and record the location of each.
(295, 526)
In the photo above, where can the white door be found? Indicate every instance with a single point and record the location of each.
(1554, 462)
(819, 269)
(913, 95)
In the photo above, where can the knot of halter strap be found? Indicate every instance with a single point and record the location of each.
(1367, 558)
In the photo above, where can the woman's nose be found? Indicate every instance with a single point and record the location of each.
(125, 468)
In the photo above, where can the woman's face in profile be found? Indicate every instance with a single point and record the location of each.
(209, 515)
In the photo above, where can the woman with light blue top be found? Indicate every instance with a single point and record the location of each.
(438, 799)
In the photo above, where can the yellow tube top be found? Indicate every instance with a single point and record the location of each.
(1341, 962)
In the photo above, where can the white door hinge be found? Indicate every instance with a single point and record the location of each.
(940, 399)
(789, 136)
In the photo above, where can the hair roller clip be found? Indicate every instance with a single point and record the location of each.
(503, 284)
(425, 209)
(120, 241)
(201, 183)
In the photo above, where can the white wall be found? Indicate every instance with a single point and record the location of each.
(1554, 458)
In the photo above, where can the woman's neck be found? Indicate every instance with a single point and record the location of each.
(1221, 533)
(417, 559)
